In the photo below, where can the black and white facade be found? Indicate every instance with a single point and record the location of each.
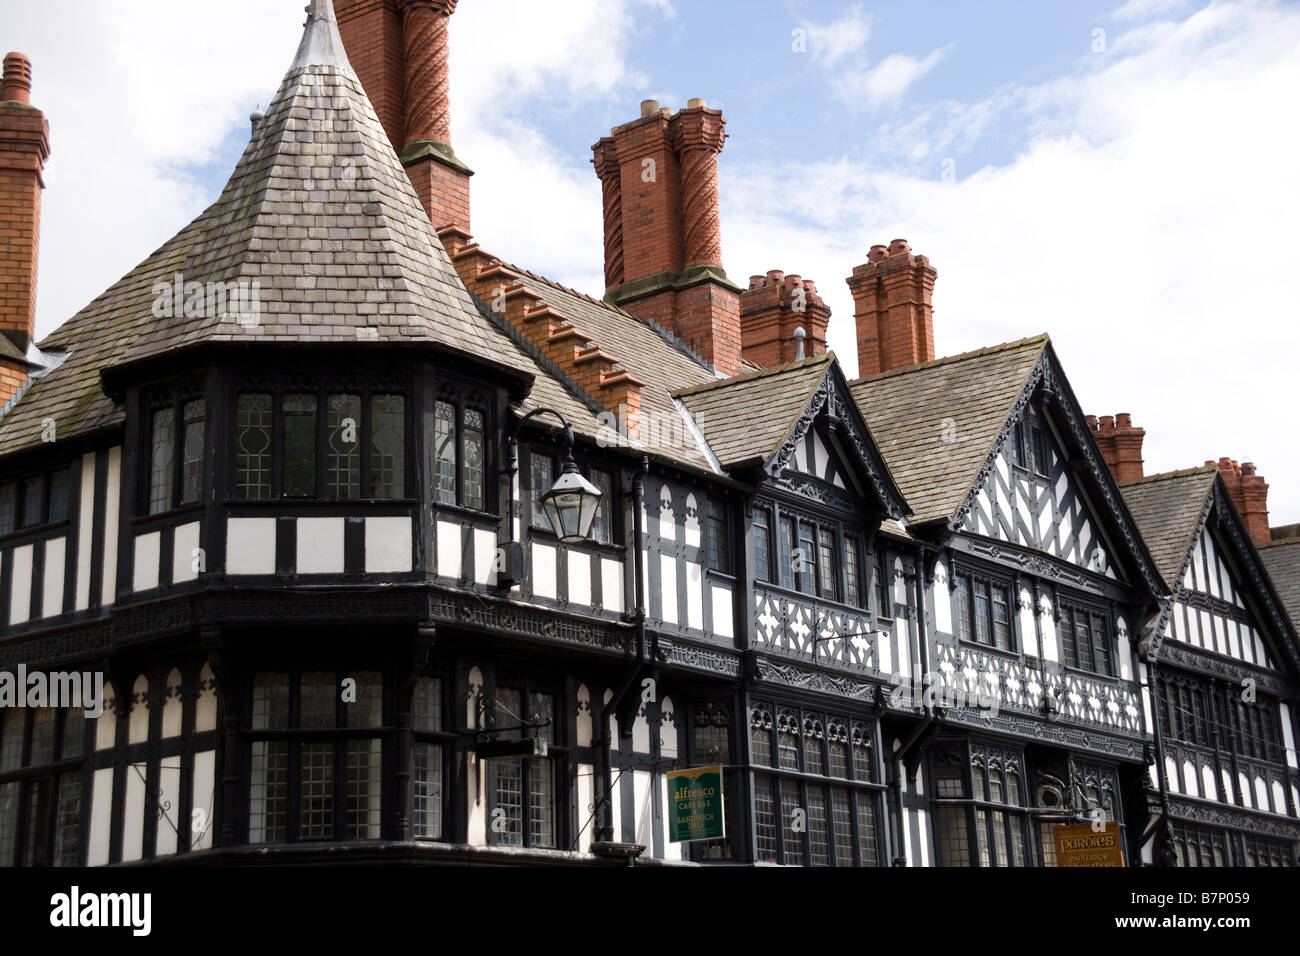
(914, 623)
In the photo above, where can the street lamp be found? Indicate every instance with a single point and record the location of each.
(571, 501)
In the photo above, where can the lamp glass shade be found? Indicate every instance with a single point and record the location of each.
(571, 504)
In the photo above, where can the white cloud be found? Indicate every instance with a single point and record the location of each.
(831, 42)
(1146, 226)
(1142, 9)
(886, 82)
(135, 96)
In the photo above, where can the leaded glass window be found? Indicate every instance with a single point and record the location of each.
(762, 545)
(852, 582)
(427, 760)
(523, 792)
(787, 557)
(602, 529)
(444, 450)
(541, 475)
(978, 799)
(719, 549)
(253, 423)
(388, 451)
(58, 510)
(41, 809)
(815, 775)
(8, 507)
(299, 446)
(162, 460)
(981, 610)
(192, 451)
(343, 446)
(474, 444)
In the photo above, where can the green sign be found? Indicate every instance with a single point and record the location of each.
(695, 799)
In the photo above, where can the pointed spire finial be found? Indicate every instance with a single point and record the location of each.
(321, 44)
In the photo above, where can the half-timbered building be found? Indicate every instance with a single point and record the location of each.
(291, 487)
(1221, 663)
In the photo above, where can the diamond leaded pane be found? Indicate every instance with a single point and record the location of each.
(343, 447)
(388, 446)
(253, 446)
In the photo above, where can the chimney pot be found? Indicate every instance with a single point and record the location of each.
(793, 281)
(1092, 421)
(756, 282)
(649, 108)
(775, 277)
(1247, 469)
(16, 86)
(696, 104)
(799, 336)
(1107, 422)
(1124, 420)
(877, 253)
(809, 286)
(899, 247)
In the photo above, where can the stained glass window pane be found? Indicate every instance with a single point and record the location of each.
(192, 449)
(161, 459)
(475, 468)
(343, 446)
(253, 447)
(444, 452)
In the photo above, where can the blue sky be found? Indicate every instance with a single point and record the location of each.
(1130, 191)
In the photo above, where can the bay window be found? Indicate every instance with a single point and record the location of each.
(981, 609)
(329, 445)
(816, 790)
(1085, 638)
(522, 800)
(176, 452)
(315, 757)
(980, 806)
(460, 455)
(41, 784)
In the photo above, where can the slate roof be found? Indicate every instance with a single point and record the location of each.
(1168, 509)
(10, 351)
(745, 418)
(936, 423)
(1282, 560)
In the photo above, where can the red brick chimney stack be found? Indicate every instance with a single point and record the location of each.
(400, 50)
(893, 293)
(663, 238)
(1249, 493)
(24, 147)
(774, 307)
(1120, 443)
